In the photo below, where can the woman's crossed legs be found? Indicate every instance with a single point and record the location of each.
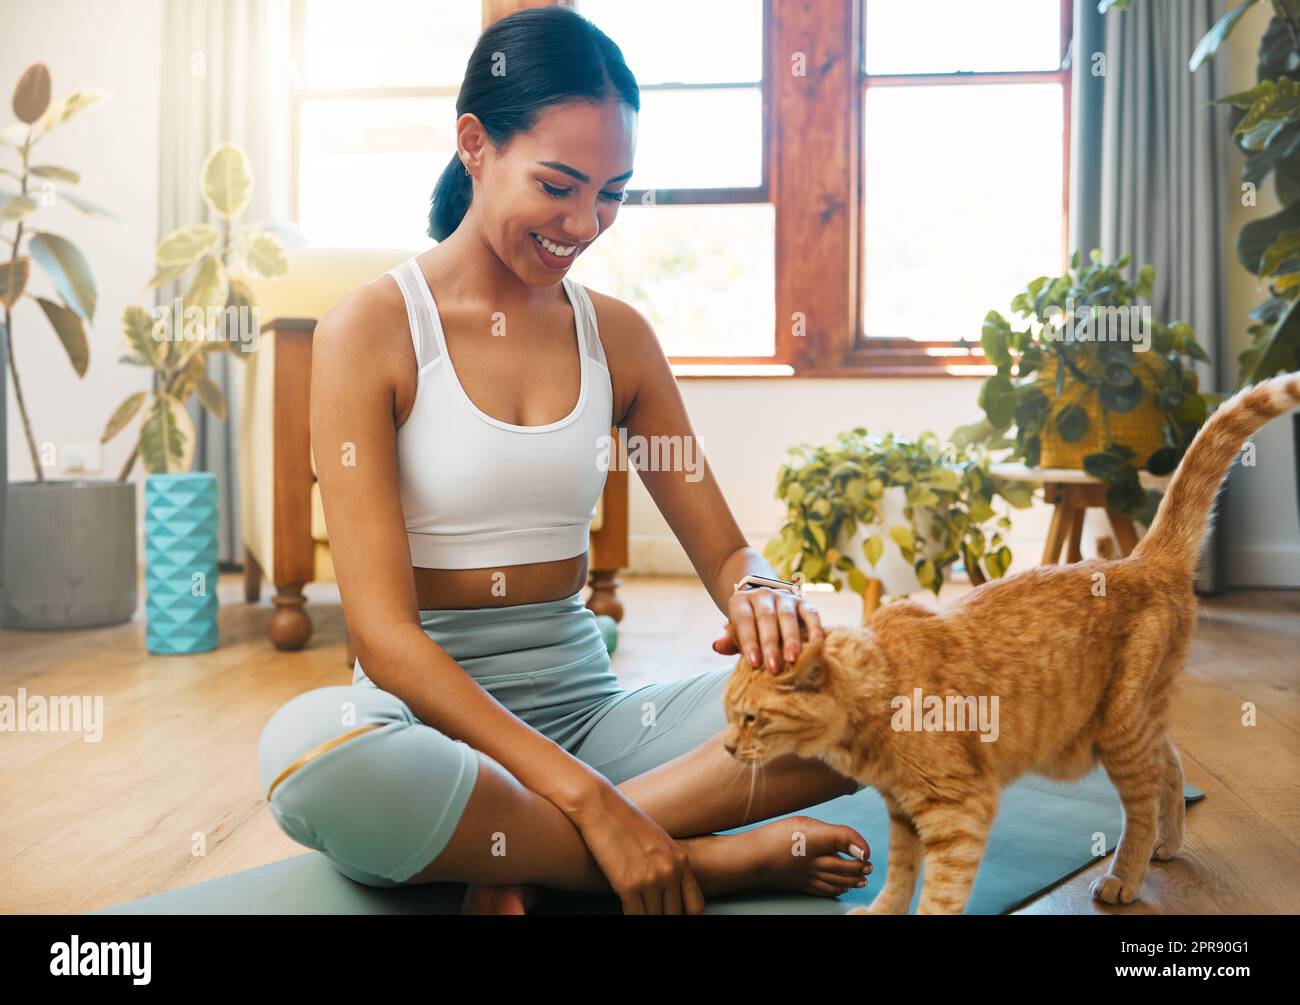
(399, 802)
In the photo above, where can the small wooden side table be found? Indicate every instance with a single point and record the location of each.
(1071, 492)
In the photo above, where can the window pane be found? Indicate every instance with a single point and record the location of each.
(700, 139)
(368, 166)
(960, 211)
(684, 41)
(948, 36)
(702, 275)
(388, 43)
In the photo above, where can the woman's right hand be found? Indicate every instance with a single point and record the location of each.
(645, 866)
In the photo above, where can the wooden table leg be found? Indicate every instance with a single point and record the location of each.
(1056, 531)
(252, 578)
(871, 599)
(604, 597)
(289, 627)
(1074, 551)
(1125, 533)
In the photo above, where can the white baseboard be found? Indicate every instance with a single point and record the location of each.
(1259, 566)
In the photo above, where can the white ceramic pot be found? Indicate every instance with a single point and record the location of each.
(893, 570)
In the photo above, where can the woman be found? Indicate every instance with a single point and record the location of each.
(484, 738)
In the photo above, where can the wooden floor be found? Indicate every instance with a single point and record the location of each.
(170, 795)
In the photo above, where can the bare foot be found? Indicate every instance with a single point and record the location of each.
(794, 853)
(480, 899)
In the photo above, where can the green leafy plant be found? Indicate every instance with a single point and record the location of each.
(175, 344)
(830, 489)
(1067, 368)
(1266, 128)
(42, 185)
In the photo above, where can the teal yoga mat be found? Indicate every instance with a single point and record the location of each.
(1045, 831)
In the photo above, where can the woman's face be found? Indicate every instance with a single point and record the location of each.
(543, 199)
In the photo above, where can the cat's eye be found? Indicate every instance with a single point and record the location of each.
(750, 719)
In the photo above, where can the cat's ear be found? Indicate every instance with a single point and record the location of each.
(810, 670)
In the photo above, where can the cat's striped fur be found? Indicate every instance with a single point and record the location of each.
(1081, 659)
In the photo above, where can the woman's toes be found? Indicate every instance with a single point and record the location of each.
(846, 870)
(821, 888)
(826, 839)
(797, 851)
(843, 882)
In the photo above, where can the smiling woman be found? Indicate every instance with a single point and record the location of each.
(483, 704)
(545, 61)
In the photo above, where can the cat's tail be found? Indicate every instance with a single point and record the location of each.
(1179, 529)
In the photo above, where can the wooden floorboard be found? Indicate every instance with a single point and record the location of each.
(170, 795)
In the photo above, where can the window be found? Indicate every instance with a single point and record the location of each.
(964, 158)
(693, 246)
(829, 189)
(374, 113)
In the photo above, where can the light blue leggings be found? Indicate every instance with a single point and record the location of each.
(380, 793)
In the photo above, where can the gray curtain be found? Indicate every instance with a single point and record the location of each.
(1149, 152)
(225, 78)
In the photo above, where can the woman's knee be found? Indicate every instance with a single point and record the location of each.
(318, 717)
(378, 792)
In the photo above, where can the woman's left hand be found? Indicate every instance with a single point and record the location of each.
(768, 625)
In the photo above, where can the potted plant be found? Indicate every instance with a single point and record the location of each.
(1093, 381)
(69, 545)
(889, 508)
(1266, 128)
(217, 313)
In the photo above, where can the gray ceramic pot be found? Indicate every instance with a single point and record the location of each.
(69, 554)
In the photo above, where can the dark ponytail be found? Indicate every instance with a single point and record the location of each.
(533, 58)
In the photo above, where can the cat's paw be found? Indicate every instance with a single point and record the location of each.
(1110, 889)
(1167, 849)
(886, 904)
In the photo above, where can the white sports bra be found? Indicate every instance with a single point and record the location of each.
(477, 492)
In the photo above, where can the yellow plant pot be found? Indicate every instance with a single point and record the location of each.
(1141, 429)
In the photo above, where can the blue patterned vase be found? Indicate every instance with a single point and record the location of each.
(180, 525)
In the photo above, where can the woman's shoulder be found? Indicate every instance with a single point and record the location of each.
(369, 322)
(633, 355)
(622, 327)
(362, 350)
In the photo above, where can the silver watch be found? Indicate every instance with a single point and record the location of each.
(795, 587)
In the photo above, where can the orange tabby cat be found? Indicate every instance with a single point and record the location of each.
(1048, 671)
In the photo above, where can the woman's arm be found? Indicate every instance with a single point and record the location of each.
(356, 370)
(766, 623)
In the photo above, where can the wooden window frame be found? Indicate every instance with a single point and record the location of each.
(493, 10)
(763, 365)
(826, 191)
(813, 175)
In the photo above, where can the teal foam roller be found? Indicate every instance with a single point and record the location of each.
(181, 562)
(608, 631)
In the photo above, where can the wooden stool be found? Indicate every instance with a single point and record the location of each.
(1071, 493)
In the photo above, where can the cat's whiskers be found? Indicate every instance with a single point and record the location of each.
(754, 774)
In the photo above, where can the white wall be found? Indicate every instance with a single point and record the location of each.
(745, 426)
(114, 146)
